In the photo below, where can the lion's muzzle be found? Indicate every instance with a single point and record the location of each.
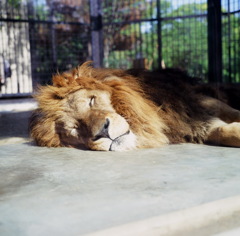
(110, 132)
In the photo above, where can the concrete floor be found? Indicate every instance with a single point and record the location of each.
(176, 190)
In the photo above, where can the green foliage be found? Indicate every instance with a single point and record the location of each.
(184, 40)
(41, 13)
(179, 37)
(231, 48)
(14, 3)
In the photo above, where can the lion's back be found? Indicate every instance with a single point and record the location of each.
(179, 104)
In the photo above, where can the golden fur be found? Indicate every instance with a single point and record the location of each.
(107, 109)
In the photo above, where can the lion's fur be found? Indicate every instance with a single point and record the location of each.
(160, 108)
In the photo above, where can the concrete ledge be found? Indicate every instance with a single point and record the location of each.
(17, 105)
(232, 232)
(206, 219)
(13, 140)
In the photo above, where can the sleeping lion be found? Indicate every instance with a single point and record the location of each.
(116, 110)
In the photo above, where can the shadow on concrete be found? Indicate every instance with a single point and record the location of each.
(14, 124)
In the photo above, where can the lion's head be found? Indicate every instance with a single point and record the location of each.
(96, 109)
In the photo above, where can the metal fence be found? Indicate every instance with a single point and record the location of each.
(231, 40)
(40, 37)
(201, 37)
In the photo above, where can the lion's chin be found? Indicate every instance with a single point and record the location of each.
(124, 142)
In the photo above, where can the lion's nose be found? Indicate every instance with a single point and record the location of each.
(104, 131)
(105, 127)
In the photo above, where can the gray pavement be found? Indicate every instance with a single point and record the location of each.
(64, 191)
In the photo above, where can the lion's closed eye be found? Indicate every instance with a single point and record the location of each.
(92, 101)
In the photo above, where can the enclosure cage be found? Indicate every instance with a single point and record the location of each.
(40, 37)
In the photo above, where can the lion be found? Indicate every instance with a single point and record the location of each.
(118, 110)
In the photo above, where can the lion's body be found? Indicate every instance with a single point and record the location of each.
(104, 109)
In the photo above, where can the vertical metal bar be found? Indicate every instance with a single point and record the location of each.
(140, 40)
(14, 27)
(229, 43)
(214, 41)
(159, 33)
(236, 72)
(96, 32)
(32, 43)
(53, 37)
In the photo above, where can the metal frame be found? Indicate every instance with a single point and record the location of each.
(96, 32)
(214, 41)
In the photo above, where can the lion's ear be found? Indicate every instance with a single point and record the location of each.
(59, 81)
(69, 78)
(63, 80)
(85, 70)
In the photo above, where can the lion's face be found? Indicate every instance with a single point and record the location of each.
(88, 119)
(97, 110)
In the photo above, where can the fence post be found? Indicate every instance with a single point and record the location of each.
(96, 32)
(214, 41)
(32, 43)
(159, 33)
